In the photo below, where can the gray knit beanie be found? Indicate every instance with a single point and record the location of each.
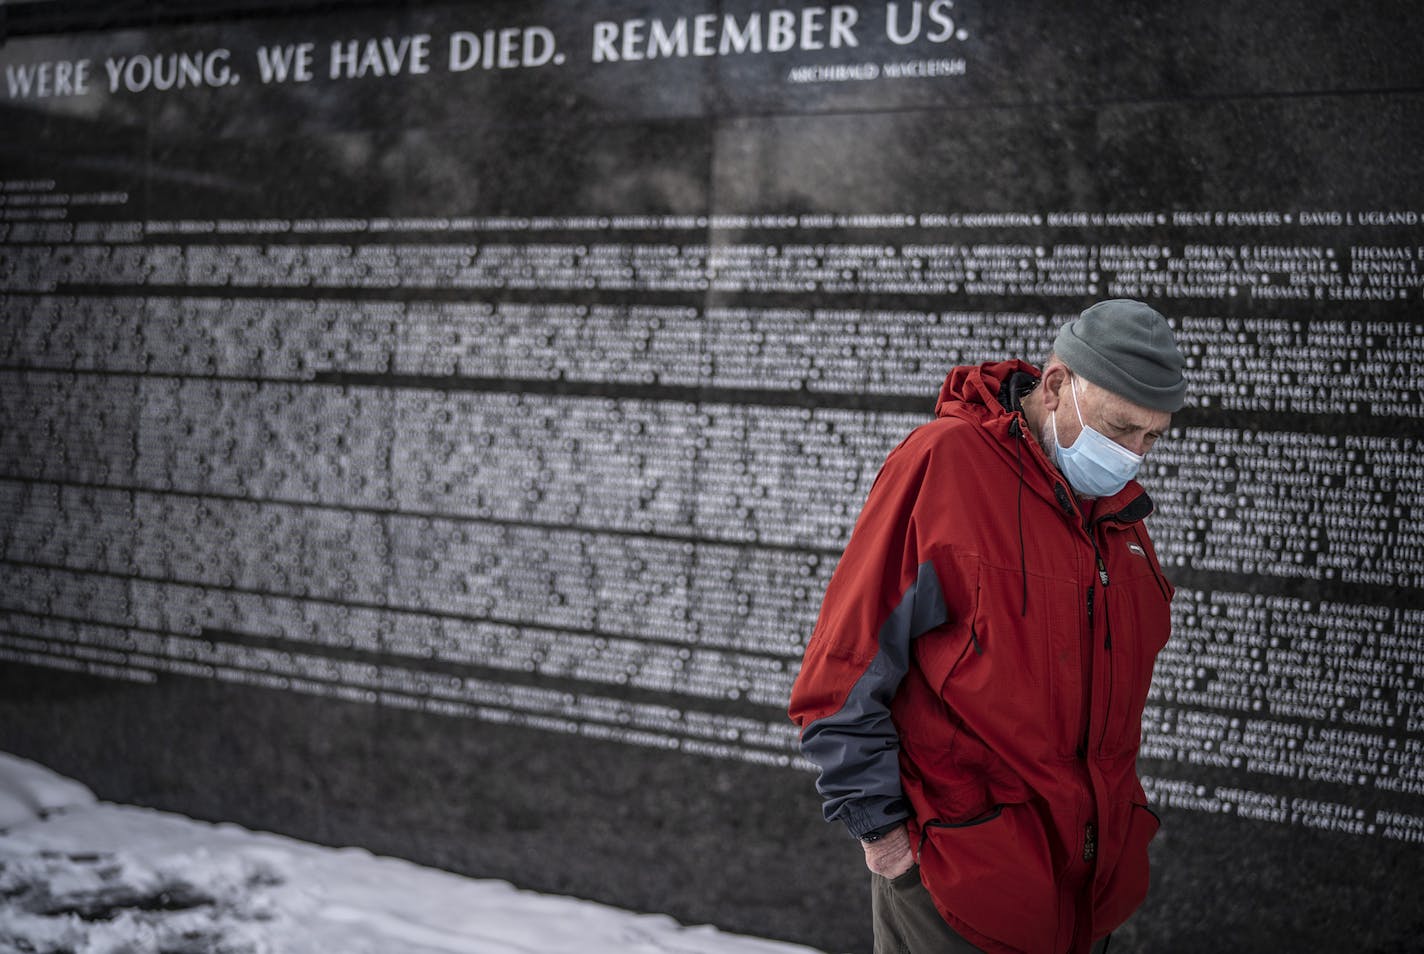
(1128, 348)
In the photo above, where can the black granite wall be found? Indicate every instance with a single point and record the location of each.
(433, 427)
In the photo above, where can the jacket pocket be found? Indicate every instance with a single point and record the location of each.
(1126, 886)
(994, 873)
(987, 815)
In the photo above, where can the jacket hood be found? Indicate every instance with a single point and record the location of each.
(981, 393)
(978, 384)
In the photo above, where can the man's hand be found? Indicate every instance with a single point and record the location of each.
(890, 856)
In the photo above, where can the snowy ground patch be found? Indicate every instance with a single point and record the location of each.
(29, 790)
(84, 877)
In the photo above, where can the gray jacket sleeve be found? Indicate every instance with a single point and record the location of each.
(857, 748)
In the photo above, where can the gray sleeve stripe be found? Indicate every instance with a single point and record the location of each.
(857, 747)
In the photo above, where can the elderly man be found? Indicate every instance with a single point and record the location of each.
(973, 690)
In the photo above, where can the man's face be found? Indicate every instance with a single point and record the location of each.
(1131, 425)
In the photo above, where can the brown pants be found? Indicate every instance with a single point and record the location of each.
(906, 922)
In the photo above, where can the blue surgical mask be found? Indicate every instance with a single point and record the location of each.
(1095, 465)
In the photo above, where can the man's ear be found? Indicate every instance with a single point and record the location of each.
(1055, 379)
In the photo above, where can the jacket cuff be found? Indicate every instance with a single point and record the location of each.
(876, 814)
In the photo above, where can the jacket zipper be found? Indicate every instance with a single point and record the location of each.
(1102, 578)
(1090, 832)
(1107, 648)
(989, 814)
(1090, 837)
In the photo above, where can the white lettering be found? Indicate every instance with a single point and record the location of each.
(780, 31)
(745, 40)
(43, 80)
(843, 20)
(663, 43)
(509, 48)
(420, 54)
(276, 64)
(810, 27)
(632, 36)
(343, 58)
(169, 71)
(22, 79)
(892, 24)
(386, 56)
(710, 34)
(464, 51)
(702, 32)
(534, 55)
(605, 35)
(939, 13)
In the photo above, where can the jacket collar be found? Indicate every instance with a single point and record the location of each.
(992, 395)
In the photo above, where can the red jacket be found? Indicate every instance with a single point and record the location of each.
(979, 670)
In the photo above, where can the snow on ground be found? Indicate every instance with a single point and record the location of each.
(79, 876)
(29, 790)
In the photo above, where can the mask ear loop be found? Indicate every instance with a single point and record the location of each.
(1076, 409)
(1053, 417)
